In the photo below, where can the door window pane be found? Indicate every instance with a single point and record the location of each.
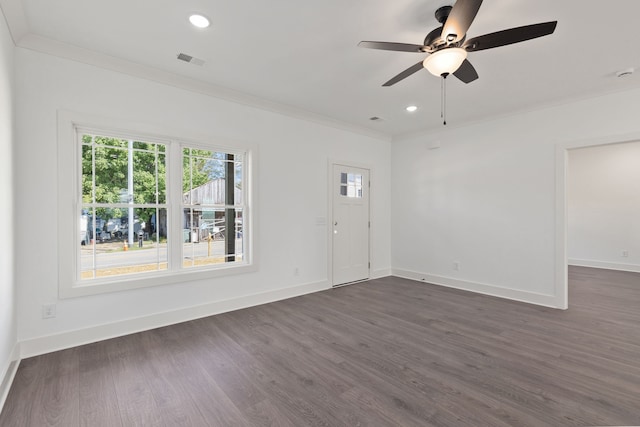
(351, 185)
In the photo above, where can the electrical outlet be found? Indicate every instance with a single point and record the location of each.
(296, 271)
(625, 254)
(48, 311)
(456, 265)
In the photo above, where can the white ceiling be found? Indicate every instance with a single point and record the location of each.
(303, 54)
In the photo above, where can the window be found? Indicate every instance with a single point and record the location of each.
(212, 207)
(151, 211)
(124, 207)
(351, 185)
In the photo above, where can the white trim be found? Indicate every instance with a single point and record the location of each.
(9, 374)
(480, 288)
(355, 282)
(561, 276)
(330, 222)
(635, 268)
(378, 274)
(125, 283)
(562, 165)
(46, 344)
(63, 50)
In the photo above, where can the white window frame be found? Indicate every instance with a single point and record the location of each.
(69, 205)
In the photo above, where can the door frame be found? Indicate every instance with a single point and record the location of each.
(561, 234)
(330, 164)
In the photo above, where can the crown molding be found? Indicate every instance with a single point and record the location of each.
(16, 20)
(64, 50)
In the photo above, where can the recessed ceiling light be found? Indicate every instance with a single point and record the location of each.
(411, 108)
(199, 21)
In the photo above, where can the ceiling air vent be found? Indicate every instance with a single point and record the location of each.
(190, 59)
(375, 119)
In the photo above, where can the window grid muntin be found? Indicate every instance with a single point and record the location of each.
(159, 151)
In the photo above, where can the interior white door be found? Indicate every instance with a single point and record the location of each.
(350, 224)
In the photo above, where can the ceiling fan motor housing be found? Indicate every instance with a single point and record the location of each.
(433, 39)
(443, 13)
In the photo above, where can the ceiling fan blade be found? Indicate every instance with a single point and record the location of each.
(460, 19)
(406, 73)
(397, 47)
(510, 36)
(466, 73)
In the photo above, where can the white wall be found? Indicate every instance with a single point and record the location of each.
(7, 137)
(292, 175)
(486, 198)
(604, 206)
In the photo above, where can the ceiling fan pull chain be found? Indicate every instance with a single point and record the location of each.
(444, 99)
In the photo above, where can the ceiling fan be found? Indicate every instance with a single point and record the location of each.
(448, 46)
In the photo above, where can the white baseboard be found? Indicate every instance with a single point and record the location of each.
(383, 272)
(605, 265)
(50, 343)
(9, 374)
(481, 288)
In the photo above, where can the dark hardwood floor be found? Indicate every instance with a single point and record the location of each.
(389, 352)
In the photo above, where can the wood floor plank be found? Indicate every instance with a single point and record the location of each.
(57, 401)
(217, 361)
(404, 376)
(46, 392)
(19, 406)
(168, 389)
(267, 414)
(135, 400)
(293, 384)
(186, 372)
(386, 352)
(98, 402)
(367, 355)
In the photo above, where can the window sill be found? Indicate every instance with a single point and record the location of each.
(102, 286)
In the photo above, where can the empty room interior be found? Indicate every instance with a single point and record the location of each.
(410, 213)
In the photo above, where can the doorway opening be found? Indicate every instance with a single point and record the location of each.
(603, 207)
(563, 259)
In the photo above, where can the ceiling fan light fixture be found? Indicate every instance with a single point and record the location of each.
(445, 61)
